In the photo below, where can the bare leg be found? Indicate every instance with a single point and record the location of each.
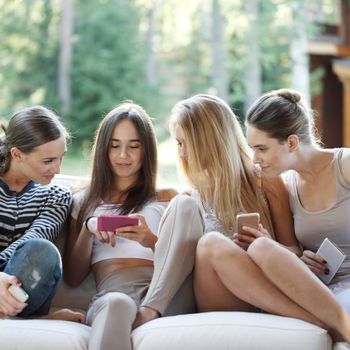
(286, 271)
(210, 292)
(223, 268)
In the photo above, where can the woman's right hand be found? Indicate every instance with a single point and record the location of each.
(102, 236)
(315, 262)
(9, 305)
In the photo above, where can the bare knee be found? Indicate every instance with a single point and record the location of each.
(262, 250)
(214, 246)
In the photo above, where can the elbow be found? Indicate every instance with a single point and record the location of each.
(71, 276)
(71, 279)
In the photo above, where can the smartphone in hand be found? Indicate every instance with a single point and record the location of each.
(112, 222)
(18, 293)
(247, 219)
(334, 257)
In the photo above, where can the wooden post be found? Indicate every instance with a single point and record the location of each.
(342, 70)
(344, 25)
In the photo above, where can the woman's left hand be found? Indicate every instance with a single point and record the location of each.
(244, 239)
(140, 233)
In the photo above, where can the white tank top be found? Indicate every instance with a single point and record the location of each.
(124, 248)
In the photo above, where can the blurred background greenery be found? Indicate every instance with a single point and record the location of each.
(83, 57)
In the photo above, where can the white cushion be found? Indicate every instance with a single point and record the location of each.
(230, 330)
(43, 334)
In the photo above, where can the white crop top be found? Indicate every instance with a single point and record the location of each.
(124, 248)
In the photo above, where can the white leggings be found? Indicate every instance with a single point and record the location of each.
(113, 309)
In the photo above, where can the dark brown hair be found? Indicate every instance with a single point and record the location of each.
(102, 176)
(27, 129)
(281, 113)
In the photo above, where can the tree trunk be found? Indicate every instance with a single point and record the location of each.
(219, 70)
(253, 68)
(298, 51)
(65, 57)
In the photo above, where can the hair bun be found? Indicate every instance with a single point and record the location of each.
(291, 95)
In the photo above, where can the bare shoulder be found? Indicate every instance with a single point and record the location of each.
(166, 194)
(345, 164)
(273, 186)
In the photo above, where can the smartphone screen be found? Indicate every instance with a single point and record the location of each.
(112, 222)
(247, 219)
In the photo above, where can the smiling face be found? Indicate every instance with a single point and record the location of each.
(125, 152)
(269, 153)
(41, 164)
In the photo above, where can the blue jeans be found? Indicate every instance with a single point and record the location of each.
(37, 264)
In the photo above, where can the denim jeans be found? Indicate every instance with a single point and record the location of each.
(37, 264)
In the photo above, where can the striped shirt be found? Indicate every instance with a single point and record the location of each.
(36, 212)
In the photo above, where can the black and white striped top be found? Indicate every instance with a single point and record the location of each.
(36, 212)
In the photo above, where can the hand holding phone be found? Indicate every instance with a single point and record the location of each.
(18, 292)
(112, 222)
(247, 219)
(334, 257)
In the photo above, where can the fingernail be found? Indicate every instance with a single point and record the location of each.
(326, 271)
(324, 261)
(18, 282)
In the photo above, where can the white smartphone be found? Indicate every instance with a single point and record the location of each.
(18, 292)
(334, 257)
(247, 219)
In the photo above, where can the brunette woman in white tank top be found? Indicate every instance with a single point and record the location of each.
(280, 131)
(138, 269)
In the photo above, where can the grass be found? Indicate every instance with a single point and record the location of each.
(168, 176)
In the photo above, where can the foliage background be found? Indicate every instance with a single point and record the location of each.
(153, 52)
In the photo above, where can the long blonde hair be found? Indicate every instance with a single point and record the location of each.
(219, 161)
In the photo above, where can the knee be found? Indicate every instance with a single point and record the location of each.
(186, 209)
(185, 205)
(214, 245)
(261, 250)
(38, 250)
(119, 304)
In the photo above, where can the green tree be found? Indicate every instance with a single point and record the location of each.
(107, 62)
(28, 55)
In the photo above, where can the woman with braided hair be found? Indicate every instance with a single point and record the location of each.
(32, 213)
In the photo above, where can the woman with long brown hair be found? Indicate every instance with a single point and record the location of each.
(137, 269)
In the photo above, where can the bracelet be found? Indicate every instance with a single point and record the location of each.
(87, 221)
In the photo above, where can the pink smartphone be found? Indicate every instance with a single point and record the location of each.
(112, 222)
(247, 219)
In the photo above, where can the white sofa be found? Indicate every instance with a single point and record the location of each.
(200, 331)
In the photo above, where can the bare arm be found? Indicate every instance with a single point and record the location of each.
(282, 220)
(77, 259)
(166, 194)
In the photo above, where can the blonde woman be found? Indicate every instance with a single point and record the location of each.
(230, 271)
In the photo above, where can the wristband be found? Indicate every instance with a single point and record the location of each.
(86, 222)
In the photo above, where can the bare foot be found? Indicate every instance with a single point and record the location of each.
(66, 315)
(144, 314)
